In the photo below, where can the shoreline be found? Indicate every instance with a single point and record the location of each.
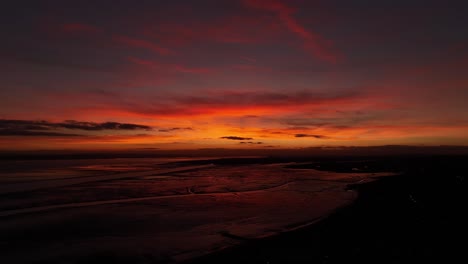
(414, 216)
(230, 254)
(390, 221)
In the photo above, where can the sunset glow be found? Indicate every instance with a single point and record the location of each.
(232, 74)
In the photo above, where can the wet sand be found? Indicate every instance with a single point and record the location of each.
(247, 211)
(171, 215)
(417, 217)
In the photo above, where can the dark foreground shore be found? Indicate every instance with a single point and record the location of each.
(416, 217)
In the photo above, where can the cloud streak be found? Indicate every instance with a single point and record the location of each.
(236, 138)
(311, 136)
(172, 129)
(220, 103)
(31, 133)
(313, 42)
(251, 143)
(9, 127)
(262, 98)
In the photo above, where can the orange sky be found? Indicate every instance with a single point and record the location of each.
(236, 74)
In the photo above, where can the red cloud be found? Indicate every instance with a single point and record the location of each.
(313, 42)
(203, 103)
(142, 61)
(224, 103)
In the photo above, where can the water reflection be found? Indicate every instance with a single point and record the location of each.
(177, 215)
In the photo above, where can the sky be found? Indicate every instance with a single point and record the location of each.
(180, 74)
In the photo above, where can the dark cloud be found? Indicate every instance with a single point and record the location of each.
(233, 98)
(305, 122)
(174, 129)
(216, 101)
(45, 128)
(236, 138)
(342, 120)
(251, 142)
(71, 124)
(15, 132)
(313, 136)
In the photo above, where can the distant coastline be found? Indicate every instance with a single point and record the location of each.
(309, 152)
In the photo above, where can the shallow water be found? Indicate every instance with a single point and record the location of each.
(128, 209)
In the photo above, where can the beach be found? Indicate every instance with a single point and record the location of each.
(255, 210)
(416, 217)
